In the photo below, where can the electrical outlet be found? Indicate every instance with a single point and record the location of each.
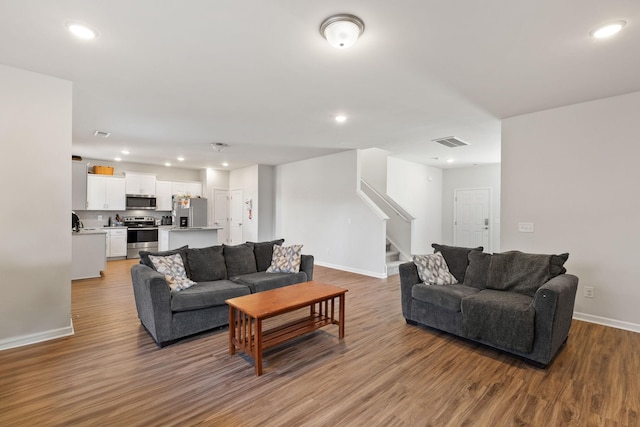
(99, 217)
(588, 292)
(525, 227)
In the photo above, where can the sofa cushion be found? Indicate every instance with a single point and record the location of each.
(477, 270)
(456, 257)
(504, 319)
(144, 256)
(523, 273)
(433, 269)
(263, 281)
(447, 297)
(286, 259)
(207, 294)
(239, 259)
(173, 269)
(206, 264)
(263, 252)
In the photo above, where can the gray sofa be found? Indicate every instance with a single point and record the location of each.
(221, 272)
(516, 302)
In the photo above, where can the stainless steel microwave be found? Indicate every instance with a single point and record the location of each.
(136, 201)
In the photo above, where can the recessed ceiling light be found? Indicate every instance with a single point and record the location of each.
(450, 160)
(167, 164)
(225, 164)
(117, 159)
(607, 30)
(181, 159)
(341, 119)
(82, 31)
(125, 152)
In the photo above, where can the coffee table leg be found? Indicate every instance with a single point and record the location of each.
(341, 333)
(232, 330)
(257, 358)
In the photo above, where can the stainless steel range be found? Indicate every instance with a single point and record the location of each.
(142, 235)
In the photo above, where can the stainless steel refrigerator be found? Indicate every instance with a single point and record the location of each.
(189, 212)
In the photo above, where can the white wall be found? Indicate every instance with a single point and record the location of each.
(573, 172)
(317, 205)
(35, 167)
(162, 173)
(373, 168)
(418, 188)
(266, 202)
(485, 176)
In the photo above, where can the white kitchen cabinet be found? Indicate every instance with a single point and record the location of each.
(116, 242)
(88, 254)
(194, 188)
(105, 193)
(140, 183)
(190, 188)
(163, 195)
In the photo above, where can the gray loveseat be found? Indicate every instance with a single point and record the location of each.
(517, 302)
(221, 272)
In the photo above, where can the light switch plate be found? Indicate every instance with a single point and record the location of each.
(525, 227)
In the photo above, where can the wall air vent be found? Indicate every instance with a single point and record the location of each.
(451, 142)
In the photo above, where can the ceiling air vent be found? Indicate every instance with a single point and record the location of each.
(451, 142)
(102, 134)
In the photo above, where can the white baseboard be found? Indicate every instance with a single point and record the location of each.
(352, 270)
(23, 340)
(619, 324)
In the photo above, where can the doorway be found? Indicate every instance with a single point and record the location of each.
(472, 218)
(235, 222)
(221, 214)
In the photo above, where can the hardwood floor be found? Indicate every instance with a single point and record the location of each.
(384, 372)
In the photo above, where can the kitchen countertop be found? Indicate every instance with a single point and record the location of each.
(174, 228)
(89, 231)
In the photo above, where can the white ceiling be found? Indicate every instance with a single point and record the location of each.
(169, 77)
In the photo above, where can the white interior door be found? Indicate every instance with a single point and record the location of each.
(221, 214)
(235, 222)
(472, 218)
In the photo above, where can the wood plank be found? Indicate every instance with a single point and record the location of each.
(384, 372)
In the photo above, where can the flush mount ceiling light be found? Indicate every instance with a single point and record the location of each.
(341, 119)
(607, 30)
(82, 31)
(342, 31)
(219, 146)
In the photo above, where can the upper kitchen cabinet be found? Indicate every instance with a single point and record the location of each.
(192, 189)
(163, 195)
(105, 193)
(78, 186)
(140, 183)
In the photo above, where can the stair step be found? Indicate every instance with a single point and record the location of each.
(393, 267)
(393, 256)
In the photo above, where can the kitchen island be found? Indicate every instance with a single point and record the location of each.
(196, 237)
(88, 253)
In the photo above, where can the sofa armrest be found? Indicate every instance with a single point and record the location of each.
(306, 265)
(408, 278)
(554, 303)
(153, 301)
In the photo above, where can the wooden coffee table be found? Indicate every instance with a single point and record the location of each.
(246, 314)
